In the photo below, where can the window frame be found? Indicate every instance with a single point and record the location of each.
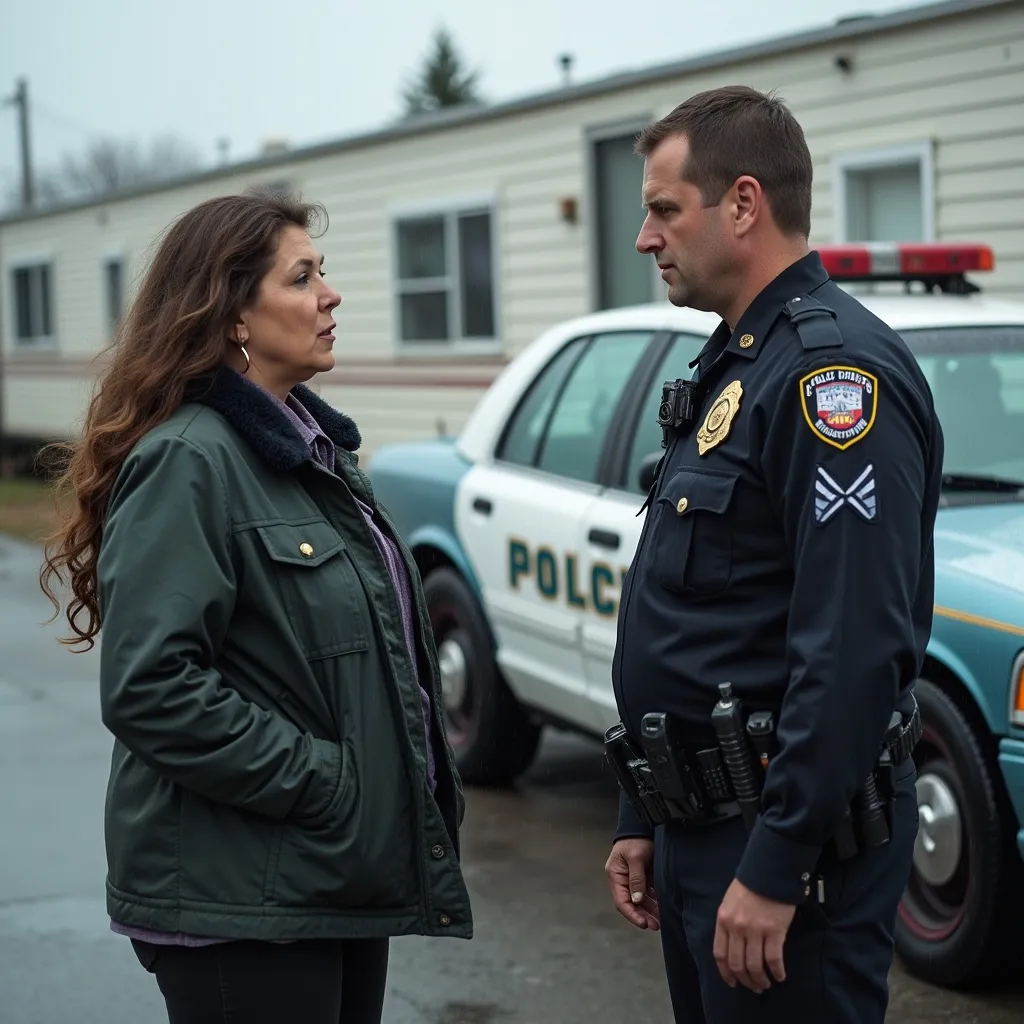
(108, 257)
(638, 389)
(449, 210)
(613, 451)
(583, 342)
(921, 153)
(31, 261)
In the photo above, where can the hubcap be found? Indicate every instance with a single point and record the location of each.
(938, 846)
(451, 659)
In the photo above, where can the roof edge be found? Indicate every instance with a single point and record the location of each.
(865, 25)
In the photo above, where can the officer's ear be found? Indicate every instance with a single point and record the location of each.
(747, 204)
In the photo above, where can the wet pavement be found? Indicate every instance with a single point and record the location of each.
(548, 947)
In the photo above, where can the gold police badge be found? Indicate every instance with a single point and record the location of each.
(715, 428)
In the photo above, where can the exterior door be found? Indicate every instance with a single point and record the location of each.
(623, 276)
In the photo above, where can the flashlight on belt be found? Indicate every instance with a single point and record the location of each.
(727, 718)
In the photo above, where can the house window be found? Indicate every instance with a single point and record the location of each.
(33, 313)
(113, 280)
(885, 195)
(445, 277)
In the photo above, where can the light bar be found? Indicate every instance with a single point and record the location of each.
(904, 261)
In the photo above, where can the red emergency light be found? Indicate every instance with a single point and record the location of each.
(904, 261)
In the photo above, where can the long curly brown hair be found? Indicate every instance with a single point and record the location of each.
(207, 268)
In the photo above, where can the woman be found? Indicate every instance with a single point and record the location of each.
(282, 798)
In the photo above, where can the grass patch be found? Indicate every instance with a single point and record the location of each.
(26, 509)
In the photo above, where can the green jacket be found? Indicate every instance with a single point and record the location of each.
(269, 775)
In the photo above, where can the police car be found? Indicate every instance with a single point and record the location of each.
(525, 524)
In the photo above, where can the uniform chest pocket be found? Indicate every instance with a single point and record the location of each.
(692, 545)
(318, 585)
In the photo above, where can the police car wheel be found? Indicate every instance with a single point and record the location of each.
(492, 738)
(953, 917)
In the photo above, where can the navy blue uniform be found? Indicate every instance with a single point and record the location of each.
(787, 549)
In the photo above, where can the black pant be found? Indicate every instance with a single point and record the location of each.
(837, 954)
(307, 982)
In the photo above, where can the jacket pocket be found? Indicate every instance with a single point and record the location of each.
(358, 853)
(318, 585)
(692, 546)
(225, 853)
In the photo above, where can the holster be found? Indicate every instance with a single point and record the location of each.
(634, 777)
(869, 823)
(663, 782)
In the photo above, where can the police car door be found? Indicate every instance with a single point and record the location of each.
(519, 519)
(611, 528)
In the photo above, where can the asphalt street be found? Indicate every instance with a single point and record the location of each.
(548, 946)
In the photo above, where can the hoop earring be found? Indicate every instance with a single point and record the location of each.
(248, 362)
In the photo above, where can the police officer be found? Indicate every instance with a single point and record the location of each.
(787, 550)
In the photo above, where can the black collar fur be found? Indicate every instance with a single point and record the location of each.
(255, 415)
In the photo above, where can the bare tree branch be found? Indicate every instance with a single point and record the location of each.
(108, 166)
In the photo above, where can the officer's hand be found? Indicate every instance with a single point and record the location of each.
(750, 932)
(629, 871)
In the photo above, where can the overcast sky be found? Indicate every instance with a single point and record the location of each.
(246, 70)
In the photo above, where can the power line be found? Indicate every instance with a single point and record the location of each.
(67, 122)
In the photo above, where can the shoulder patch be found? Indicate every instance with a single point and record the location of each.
(839, 403)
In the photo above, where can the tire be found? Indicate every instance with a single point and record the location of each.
(492, 738)
(953, 920)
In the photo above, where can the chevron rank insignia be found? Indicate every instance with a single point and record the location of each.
(830, 496)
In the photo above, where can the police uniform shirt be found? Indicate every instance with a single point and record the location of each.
(787, 549)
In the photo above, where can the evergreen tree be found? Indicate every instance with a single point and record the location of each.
(443, 81)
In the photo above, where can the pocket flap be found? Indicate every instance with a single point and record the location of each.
(301, 544)
(692, 490)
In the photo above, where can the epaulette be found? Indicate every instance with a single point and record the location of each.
(815, 323)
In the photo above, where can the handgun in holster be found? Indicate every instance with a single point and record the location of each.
(673, 774)
(635, 777)
(874, 802)
(885, 771)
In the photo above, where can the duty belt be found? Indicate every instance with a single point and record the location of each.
(673, 781)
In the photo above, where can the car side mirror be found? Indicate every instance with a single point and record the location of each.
(648, 471)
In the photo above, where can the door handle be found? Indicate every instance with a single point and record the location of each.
(603, 538)
(482, 505)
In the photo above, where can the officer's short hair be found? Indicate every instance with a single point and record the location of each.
(736, 130)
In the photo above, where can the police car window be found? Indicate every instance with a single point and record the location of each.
(586, 408)
(976, 375)
(522, 437)
(647, 438)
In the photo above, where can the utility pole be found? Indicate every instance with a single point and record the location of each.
(20, 100)
(3, 440)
